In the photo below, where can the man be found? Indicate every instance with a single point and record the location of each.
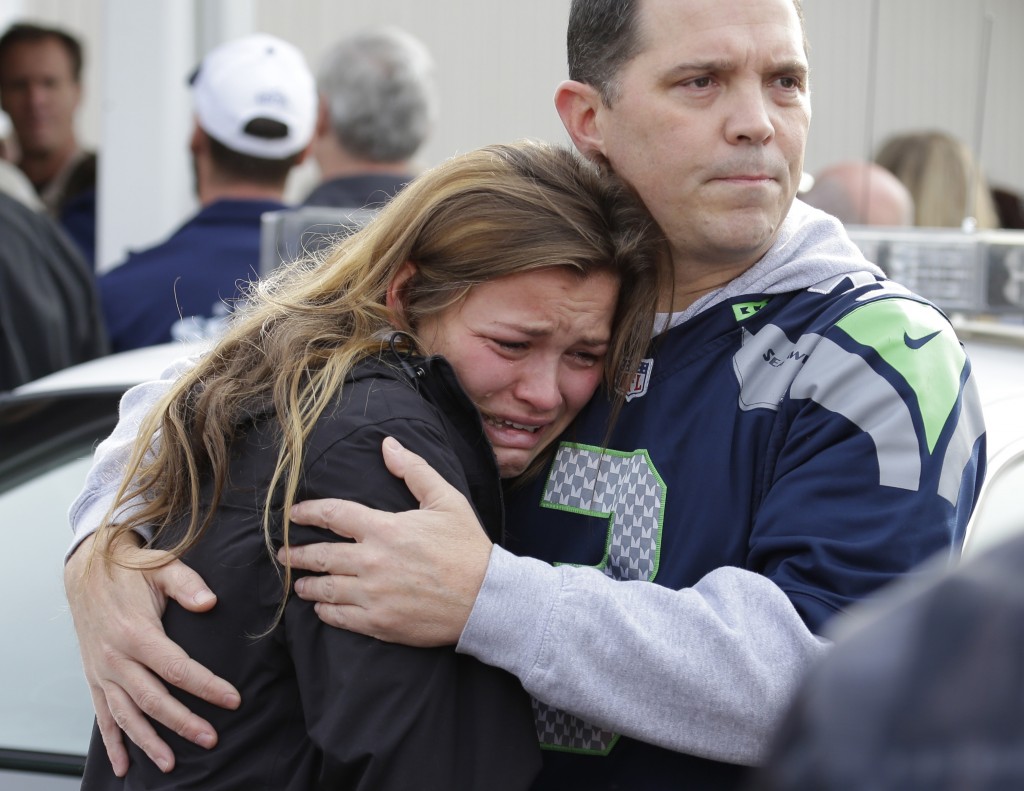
(255, 110)
(378, 103)
(377, 106)
(780, 456)
(16, 184)
(49, 312)
(41, 89)
(861, 193)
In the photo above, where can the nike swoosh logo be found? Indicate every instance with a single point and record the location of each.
(917, 343)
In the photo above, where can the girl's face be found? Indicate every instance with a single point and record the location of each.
(529, 349)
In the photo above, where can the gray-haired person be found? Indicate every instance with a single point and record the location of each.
(378, 104)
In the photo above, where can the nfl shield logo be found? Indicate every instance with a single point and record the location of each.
(638, 384)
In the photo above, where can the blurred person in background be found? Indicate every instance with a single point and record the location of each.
(378, 104)
(947, 185)
(16, 184)
(255, 112)
(861, 193)
(923, 690)
(1009, 206)
(49, 312)
(41, 90)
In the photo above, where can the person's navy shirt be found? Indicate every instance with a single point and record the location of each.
(364, 190)
(195, 273)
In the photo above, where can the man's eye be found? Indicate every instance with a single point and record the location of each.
(510, 345)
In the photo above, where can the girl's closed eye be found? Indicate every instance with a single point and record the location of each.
(512, 346)
(587, 358)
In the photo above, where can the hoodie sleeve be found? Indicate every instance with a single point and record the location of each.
(732, 645)
(110, 460)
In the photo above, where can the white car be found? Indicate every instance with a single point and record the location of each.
(997, 354)
(48, 430)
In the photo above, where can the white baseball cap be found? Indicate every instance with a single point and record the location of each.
(256, 77)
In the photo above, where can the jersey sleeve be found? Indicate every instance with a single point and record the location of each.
(881, 462)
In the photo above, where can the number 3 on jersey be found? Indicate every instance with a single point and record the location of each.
(625, 489)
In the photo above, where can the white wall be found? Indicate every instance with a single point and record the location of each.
(498, 65)
(927, 75)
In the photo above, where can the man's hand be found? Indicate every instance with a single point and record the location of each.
(125, 652)
(411, 577)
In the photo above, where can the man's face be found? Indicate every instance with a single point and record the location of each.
(38, 91)
(709, 124)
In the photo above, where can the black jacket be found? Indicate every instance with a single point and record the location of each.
(49, 312)
(922, 692)
(321, 707)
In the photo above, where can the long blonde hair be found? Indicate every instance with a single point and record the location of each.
(943, 177)
(496, 211)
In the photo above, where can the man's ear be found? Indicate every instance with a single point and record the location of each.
(199, 141)
(395, 299)
(323, 118)
(578, 104)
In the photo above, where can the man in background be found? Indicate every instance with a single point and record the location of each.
(255, 112)
(861, 193)
(41, 89)
(49, 312)
(378, 104)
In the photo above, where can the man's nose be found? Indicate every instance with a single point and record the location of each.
(749, 120)
(37, 95)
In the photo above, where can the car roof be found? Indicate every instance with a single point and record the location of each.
(113, 372)
(75, 406)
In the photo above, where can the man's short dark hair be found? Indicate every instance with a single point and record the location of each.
(23, 32)
(269, 172)
(603, 36)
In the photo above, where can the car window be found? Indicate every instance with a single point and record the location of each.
(44, 699)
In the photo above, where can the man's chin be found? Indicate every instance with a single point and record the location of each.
(749, 231)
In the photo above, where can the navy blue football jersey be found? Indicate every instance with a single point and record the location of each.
(821, 438)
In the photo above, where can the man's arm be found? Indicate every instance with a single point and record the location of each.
(117, 613)
(416, 577)
(708, 670)
(111, 458)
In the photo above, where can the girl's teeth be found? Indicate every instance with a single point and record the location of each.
(521, 427)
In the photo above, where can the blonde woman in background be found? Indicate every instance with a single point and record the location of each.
(946, 183)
